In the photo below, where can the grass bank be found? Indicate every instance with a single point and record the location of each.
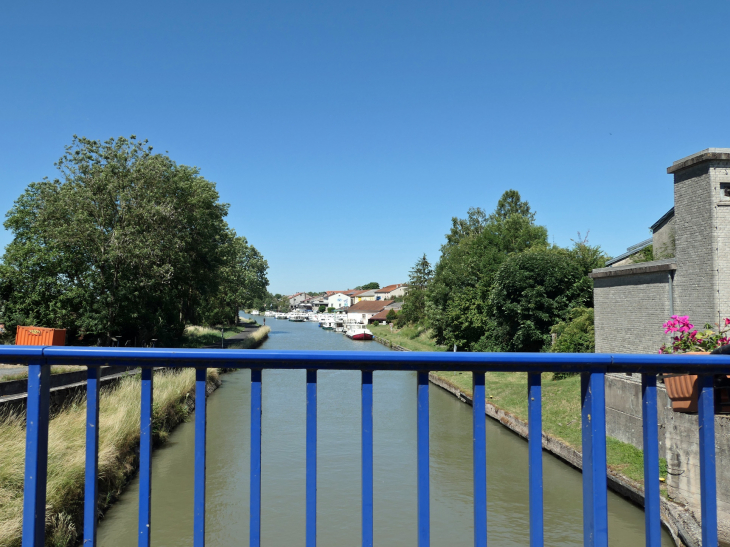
(118, 452)
(508, 391)
(196, 336)
(254, 340)
(412, 338)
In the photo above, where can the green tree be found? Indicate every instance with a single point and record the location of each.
(123, 242)
(414, 303)
(458, 297)
(368, 286)
(391, 316)
(322, 308)
(531, 292)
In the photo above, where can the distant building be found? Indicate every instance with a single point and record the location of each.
(364, 310)
(296, 299)
(338, 301)
(391, 291)
(367, 295)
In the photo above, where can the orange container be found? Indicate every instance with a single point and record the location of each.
(40, 336)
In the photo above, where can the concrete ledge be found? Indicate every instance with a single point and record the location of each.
(707, 154)
(666, 265)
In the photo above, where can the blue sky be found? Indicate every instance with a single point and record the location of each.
(345, 135)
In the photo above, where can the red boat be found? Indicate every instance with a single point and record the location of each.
(359, 334)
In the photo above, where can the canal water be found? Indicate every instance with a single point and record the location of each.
(283, 479)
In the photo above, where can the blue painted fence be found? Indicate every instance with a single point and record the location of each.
(592, 367)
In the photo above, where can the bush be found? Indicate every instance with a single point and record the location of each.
(391, 317)
(376, 323)
(576, 334)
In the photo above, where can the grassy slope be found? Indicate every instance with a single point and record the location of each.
(508, 391)
(118, 445)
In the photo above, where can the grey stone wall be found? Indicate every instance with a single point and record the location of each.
(694, 284)
(631, 308)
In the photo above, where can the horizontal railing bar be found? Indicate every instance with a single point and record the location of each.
(354, 360)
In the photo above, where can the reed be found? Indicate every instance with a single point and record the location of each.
(118, 452)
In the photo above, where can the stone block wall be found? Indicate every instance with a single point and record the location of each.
(631, 305)
(694, 283)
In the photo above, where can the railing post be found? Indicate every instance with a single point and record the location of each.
(424, 496)
(201, 412)
(595, 494)
(145, 460)
(91, 488)
(534, 424)
(255, 501)
(311, 539)
(36, 454)
(367, 458)
(479, 449)
(708, 484)
(652, 515)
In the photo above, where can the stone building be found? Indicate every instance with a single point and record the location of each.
(690, 275)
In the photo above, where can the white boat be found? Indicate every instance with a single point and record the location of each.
(255, 312)
(359, 334)
(297, 317)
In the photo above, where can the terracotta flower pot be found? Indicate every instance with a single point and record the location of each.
(683, 389)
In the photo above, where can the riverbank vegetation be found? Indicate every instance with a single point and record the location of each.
(22, 372)
(125, 243)
(196, 336)
(561, 413)
(499, 285)
(414, 338)
(118, 452)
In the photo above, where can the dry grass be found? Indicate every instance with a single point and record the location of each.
(254, 340)
(118, 452)
(23, 374)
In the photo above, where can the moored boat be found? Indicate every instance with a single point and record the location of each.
(359, 334)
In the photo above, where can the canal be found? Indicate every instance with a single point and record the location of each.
(283, 480)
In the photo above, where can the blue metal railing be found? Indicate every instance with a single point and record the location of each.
(592, 367)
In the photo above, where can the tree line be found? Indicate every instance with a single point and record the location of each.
(124, 242)
(499, 285)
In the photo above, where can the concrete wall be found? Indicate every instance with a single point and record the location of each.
(623, 410)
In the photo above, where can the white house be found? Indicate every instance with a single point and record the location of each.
(338, 301)
(298, 298)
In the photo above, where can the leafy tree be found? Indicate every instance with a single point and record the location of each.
(531, 292)
(458, 297)
(391, 316)
(414, 304)
(123, 242)
(368, 286)
(322, 308)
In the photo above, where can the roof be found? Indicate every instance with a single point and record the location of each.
(365, 306)
(353, 292)
(292, 296)
(666, 217)
(630, 251)
(390, 288)
(394, 306)
(708, 154)
(371, 292)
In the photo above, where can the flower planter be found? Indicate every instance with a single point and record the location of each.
(684, 391)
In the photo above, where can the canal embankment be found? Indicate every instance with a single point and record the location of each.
(507, 404)
(119, 415)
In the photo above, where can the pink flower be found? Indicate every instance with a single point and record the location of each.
(727, 321)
